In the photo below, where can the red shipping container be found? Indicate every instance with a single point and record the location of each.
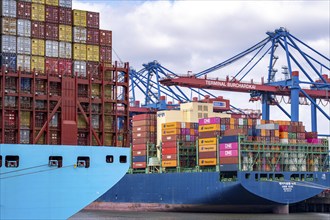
(171, 138)
(38, 29)
(228, 160)
(143, 123)
(51, 14)
(51, 31)
(92, 69)
(169, 157)
(93, 19)
(24, 10)
(144, 128)
(208, 134)
(51, 66)
(139, 153)
(137, 165)
(10, 119)
(93, 36)
(169, 144)
(105, 38)
(139, 147)
(210, 154)
(65, 67)
(105, 54)
(65, 16)
(144, 117)
(166, 151)
(143, 140)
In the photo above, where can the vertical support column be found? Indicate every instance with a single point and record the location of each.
(313, 116)
(295, 89)
(265, 107)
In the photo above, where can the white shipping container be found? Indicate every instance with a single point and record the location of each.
(24, 63)
(79, 68)
(8, 8)
(96, 121)
(24, 45)
(65, 3)
(79, 34)
(65, 50)
(23, 27)
(54, 121)
(25, 136)
(8, 44)
(51, 48)
(8, 26)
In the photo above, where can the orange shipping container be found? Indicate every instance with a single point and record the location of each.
(207, 141)
(207, 148)
(169, 163)
(171, 131)
(284, 135)
(207, 162)
(171, 125)
(210, 127)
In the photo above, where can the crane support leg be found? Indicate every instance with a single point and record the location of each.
(265, 107)
(313, 116)
(295, 89)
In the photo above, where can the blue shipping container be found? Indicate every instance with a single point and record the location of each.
(228, 139)
(8, 60)
(139, 159)
(228, 167)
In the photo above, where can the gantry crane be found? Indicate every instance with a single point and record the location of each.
(267, 91)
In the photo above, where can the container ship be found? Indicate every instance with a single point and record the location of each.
(205, 161)
(64, 110)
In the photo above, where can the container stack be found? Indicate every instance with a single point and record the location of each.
(144, 139)
(42, 58)
(209, 130)
(178, 144)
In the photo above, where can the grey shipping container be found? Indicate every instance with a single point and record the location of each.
(8, 26)
(96, 121)
(8, 8)
(54, 121)
(23, 27)
(8, 60)
(79, 34)
(8, 44)
(65, 50)
(51, 48)
(24, 63)
(268, 126)
(79, 68)
(24, 45)
(65, 3)
(24, 136)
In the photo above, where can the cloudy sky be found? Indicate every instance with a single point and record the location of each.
(195, 35)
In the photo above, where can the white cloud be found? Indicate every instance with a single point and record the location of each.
(195, 35)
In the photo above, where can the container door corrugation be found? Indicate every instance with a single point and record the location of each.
(38, 12)
(8, 8)
(8, 60)
(24, 63)
(79, 68)
(8, 44)
(24, 45)
(24, 9)
(93, 36)
(79, 34)
(52, 2)
(79, 52)
(51, 14)
(65, 33)
(51, 66)
(23, 28)
(65, 3)
(38, 29)
(105, 38)
(79, 18)
(38, 64)
(65, 67)
(8, 26)
(65, 16)
(65, 50)
(38, 47)
(51, 31)
(93, 53)
(51, 48)
(93, 19)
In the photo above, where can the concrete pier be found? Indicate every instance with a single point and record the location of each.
(281, 209)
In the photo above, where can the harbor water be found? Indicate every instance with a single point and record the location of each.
(105, 215)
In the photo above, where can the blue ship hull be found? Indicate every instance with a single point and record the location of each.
(36, 190)
(205, 191)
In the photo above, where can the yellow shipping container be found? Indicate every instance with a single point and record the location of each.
(25, 119)
(81, 121)
(171, 125)
(173, 131)
(233, 121)
(95, 90)
(169, 163)
(38, 12)
(207, 141)
(38, 47)
(284, 135)
(79, 18)
(263, 132)
(108, 139)
(108, 122)
(232, 126)
(52, 2)
(38, 1)
(93, 53)
(250, 121)
(65, 33)
(211, 127)
(79, 51)
(207, 148)
(207, 162)
(277, 133)
(38, 64)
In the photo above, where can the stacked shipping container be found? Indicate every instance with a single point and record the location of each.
(144, 139)
(40, 101)
(179, 144)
